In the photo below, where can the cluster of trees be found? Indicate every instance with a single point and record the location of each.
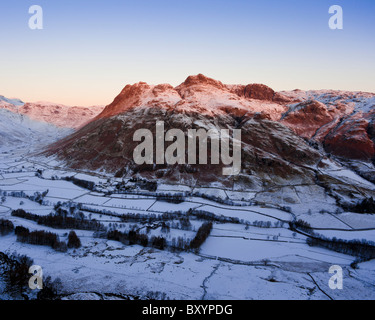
(165, 227)
(15, 194)
(40, 237)
(214, 198)
(180, 244)
(51, 289)
(146, 218)
(150, 218)
(144, 184)
(139, 183)
(134, 237)
(176, 198)
(158, 243)
(15, 274)
(183, 217)
(73, 241)
(129, 238)
(60, 221)
(201, 236)
(205, 215)
(90, 185)
(6, 227)
(39, 173)
(365, 206)
(99, 211)
(69, 208)
(121, 185)
(185, 223)
(278, 224)
(301, 225)
(262, 224)
(36, 197)
(129, 217)
(358, 248)
(48, 238)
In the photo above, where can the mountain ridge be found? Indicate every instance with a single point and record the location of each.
(287, 141)
(60, 115)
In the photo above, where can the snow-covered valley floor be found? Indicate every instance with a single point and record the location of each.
(254, 256)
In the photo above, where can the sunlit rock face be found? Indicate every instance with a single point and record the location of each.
(278, 130)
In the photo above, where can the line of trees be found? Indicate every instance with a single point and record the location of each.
(359, 248)
(128, 238)
(168, 216)
(15, 194)
(144, 184)
(176, 198)
(90, 185)
(183, 217)
(36, 197)
(205, 215)
(134, 237)
(226, 201)
(138, 184)
(6, 227)
(201, 236)
(363, 249)
(40, 237)
(149, 218)
(60, 221)
(301, 225)
(366, 206)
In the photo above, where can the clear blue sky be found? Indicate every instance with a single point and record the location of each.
(89, 49)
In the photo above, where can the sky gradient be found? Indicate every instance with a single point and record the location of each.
(89, 50)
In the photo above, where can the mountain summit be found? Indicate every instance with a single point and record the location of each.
(286, 136)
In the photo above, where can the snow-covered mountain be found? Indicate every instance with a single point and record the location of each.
(15, 102)
(287, 137)
(343, 122)
(60, 115)
(40, 123)
(307, 172)
(53, 113)
(19, 130)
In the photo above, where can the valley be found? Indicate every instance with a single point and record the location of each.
(252, 255)
(103, 226)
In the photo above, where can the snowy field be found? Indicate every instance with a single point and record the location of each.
(256, 256)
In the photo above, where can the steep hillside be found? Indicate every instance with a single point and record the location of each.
(52, 113)
(276, 129)
(18, 130)
(24, 125)
(342, 121)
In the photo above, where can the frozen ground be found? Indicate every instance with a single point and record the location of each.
(258, 257)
